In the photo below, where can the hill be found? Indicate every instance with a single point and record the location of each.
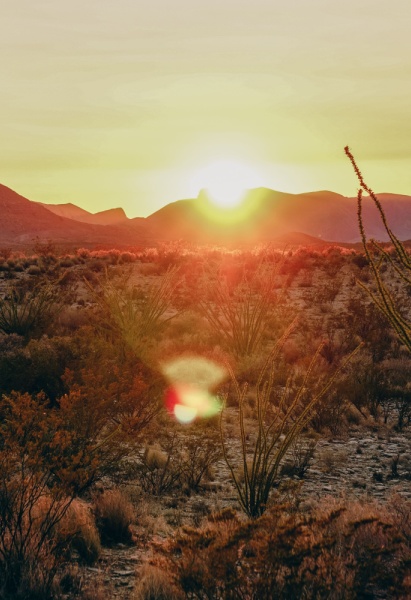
(113, 216)
(265, 216)
(22, 221)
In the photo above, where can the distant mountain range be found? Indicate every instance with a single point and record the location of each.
(113, 216)
(265, 215)
(22, 221)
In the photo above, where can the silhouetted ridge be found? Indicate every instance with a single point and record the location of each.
(265, 215)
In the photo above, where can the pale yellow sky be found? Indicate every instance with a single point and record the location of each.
(118, 103)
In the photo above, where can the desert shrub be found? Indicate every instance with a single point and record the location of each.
(48, 358)
(114, 256)
(90, 277)
(44, 249)
(397, 389)
(48, 456)
(43, 466)
(336, 551)
(128, 314)
(381, 388)
(96, 265)
(400, 509)
(111, 407)
(330, 414)
(237, 305)
(127, 257)
(364, 320)
(360, 260)
(77, 532)
(331, 459)
(34, 270)
(18, 268)
(114, 516)
(353, 415)
(150, 268)
(5, 253)
(180, 460)
(24, 311)
(72, 318)
(66, 262)
(299, 458)
(364, 386)
(281, 415)
(200, 452)
(400, 467)
(83, 253)
(42, 361)
(157, 471)
(155, 584)
(170, 254)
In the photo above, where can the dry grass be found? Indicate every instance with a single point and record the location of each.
(154, 584)
(114, 516)
(78, 531)
(337, 550)
(331, 460)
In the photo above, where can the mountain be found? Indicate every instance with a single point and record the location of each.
(264, 216)
(21, 221)
(112, 216)
(267, 214)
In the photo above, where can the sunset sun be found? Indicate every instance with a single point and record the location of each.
(226, 181)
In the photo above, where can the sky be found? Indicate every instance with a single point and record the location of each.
(127, 103)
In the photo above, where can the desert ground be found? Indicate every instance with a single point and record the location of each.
(197, 422)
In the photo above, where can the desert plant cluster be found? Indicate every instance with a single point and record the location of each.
(173, 408)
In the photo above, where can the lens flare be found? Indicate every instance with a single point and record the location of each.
(195, 370)
(192, 379)
(184, 414)
(226, 181)
(187, 402)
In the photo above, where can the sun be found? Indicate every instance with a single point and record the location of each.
(226, 181)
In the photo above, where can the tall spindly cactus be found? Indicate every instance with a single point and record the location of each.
(399, 260)
(280, 416)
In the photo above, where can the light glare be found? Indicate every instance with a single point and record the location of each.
(226, 182)
(184, 414)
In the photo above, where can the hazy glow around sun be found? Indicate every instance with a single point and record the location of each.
(226, 181)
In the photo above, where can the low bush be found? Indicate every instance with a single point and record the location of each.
(180, 461)
(43, 467)
(114, 516)
(42, 361)
(338, 550)
(281, 415)
(77, 531)
(24, 311)
(34, 270)
(299, 458)
(155, 584)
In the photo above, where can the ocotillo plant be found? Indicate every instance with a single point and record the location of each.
(239, 316)
(277, 426)
(136, 319)
(399, 260)
(22, 311)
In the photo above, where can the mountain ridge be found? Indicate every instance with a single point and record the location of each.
(23, 220)
(264, 216)
(111, 216)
